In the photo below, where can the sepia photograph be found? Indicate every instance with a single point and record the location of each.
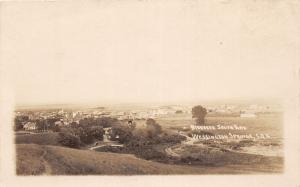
(150, 88)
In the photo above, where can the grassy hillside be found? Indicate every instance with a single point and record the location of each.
(44, 160)
(41, 139)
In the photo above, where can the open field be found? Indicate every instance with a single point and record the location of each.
(271, 124)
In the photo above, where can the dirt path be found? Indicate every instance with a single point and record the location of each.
(48, 169)
(106, 144)
(170, 152)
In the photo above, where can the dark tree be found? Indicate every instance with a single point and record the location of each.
(96, 132)
(131, 124)
(153, 128)
(51, 124)
(87, 134)
(123, 134)
(20, 121)
(107, 122)
(199, 113)
(69, 140)
(41, 124)
(178, 112)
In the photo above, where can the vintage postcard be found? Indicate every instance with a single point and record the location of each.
(150, 92)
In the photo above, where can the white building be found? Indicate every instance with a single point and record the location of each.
(30, 126)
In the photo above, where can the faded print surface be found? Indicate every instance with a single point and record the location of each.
(148, 87)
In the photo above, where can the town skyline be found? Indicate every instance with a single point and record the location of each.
(236, 100)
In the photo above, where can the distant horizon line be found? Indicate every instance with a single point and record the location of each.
(275, 100)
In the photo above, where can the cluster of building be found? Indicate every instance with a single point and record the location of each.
(145, 114)
(248, 111)
(70, 117)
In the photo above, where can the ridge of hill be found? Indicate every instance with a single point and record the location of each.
(35, 159)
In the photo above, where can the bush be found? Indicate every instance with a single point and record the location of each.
(153, 128)
(199, 113)
(69, 140)
(178, 112)
(151, 154)
(96, 132)
(87, 134)
(173, 138)
(19, 121)
(123, 133)
(55, 128)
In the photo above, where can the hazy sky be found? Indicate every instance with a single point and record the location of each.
(144, 51)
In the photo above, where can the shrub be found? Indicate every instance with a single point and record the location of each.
(123, 133)
(148, 153)
(173, 138)
(19, 121)
(199, 113)
(87, 134)
(96, 132)
(153, 128)
(69, 140)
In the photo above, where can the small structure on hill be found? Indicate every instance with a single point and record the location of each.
(30, 126)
